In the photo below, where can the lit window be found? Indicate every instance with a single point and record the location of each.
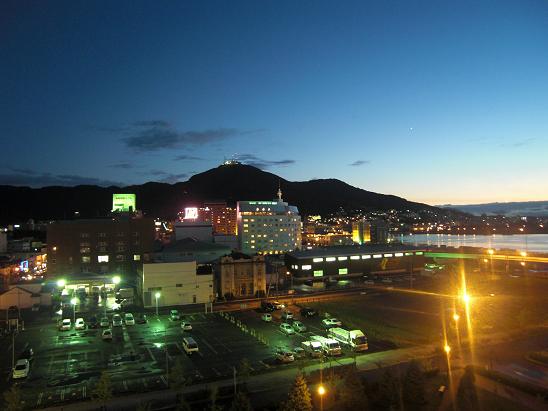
(419, 253)
(377, 255)
(317, 260)
(355, 257)
(136, 257)
(342, 258)
(398, 255)
(343, 271)
(366, 257)
(86, 259)
(102, 258)
(318, 273)
(330, 259)
(408, 253)
(388, 255)
(306, 267)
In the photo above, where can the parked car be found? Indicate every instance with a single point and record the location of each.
(189, 345)
(142, 319)
(286, 328)
(284, 356)
(299, 326)
(186, 326)
(299, 352)
(278, 305)
(80, 324)
(93, 323)
(128, 319)
(116, 320)
(287, 315)
(104, 322)
(65, 324)
(266, 317)
(107, 335)
(308, 312)
(331, 322)
(174, 315)
(267, 306)
(21, 369)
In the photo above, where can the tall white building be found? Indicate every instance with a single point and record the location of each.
(268, 227)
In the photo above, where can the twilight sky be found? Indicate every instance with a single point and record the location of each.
(435, 101)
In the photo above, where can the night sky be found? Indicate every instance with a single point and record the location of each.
(435, 101)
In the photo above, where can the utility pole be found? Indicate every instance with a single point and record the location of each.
(234, 378)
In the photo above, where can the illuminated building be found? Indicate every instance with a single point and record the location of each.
(337, 263)
(222, 217)
(123, 203)
(268, 227)
(361, 232)
(103, 245)
(194, 226)
(241, 276)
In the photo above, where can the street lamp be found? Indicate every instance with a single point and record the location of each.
(116, 280)
(74, 301)
(157, 295)
(491, 251)
(321, 392)
(61, 283)
(456, 317)
(523, 254)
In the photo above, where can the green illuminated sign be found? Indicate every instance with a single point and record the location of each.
(123, 202)
(318, 273)
(343, 271)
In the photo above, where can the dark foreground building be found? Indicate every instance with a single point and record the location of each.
(337, 263)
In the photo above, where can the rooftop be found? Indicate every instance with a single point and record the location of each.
(352, 249)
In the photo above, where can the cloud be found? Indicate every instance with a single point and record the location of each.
(124, 166)
(358, 163)
(173, 178)
(31, 178)
(187, 157)
(522, 143)
(253, 160)
(159, 134)
(158, 173)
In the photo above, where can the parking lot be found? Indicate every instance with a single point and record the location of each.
(67, 364)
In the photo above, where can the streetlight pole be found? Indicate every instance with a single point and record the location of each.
(157, 295)
(73, 302)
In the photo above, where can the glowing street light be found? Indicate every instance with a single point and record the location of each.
(491, 251)
(456, 317)
(116, 279)
(465, 298)
(321, 392)
(523, 254)
(157, 295)
(61, 283)
(447, 349)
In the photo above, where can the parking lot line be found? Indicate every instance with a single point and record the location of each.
(209, 346)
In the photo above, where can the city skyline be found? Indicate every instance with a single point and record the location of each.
(436, 103)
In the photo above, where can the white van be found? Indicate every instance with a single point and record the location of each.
(189, 345)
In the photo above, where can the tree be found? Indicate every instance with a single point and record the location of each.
(143, 406)
(12, 399)
(299, 398)
(244, 369)
(177, 379)
(467, 397)
(352, 392)
(103, 389)
(388, 393)
(213, 398)
(413, 389)
(241, 403)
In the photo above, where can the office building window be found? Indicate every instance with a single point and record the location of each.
(318, 273)
(306, 267)
(102, 258)
(136, 257)
(85, 250)
(86, 259)
(120, 257)
(343, 271)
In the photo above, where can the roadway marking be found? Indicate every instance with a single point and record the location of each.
(209, 346)
(151, 355)
(265, 364)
